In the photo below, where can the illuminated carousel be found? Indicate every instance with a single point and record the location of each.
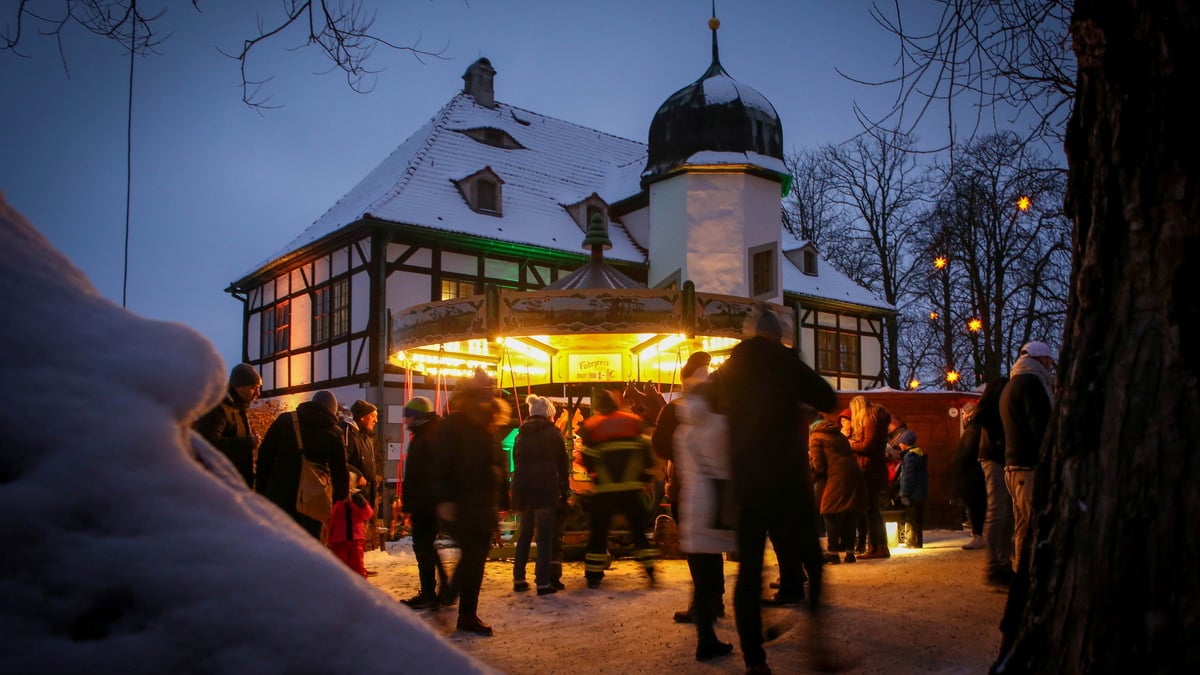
(593, 327)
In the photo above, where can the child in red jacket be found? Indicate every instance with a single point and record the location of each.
(347, 529)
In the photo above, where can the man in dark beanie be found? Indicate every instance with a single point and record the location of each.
(227, 427)
(361, 456)
(761, 388)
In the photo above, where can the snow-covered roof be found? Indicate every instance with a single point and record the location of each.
(828, 283)
(557, 164)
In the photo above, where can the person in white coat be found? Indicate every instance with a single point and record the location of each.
(695, 439)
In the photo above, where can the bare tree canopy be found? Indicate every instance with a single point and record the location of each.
(1003, 58)
(341, 31)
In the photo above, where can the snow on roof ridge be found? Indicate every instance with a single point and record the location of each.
(570, 123)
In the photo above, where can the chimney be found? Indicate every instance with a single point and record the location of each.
(477, 82)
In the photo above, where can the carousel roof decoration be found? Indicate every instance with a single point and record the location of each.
(596, 273)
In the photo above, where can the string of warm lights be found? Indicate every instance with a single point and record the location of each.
(974, 325)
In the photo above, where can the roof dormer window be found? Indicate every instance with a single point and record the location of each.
(497, 138)
(810, 262)
(484, 191)
(582, 211)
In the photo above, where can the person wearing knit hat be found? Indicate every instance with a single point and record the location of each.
(541, 472)
(363, 456)
(418, 501)
(360, 409)
(227, 426)
(914, 488)
(417, 411)
(1025, 407)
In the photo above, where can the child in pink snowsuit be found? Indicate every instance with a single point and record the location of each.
(347, 530)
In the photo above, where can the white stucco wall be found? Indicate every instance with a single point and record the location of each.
(704, 224)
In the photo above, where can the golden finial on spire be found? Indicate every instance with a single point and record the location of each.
(714, 23)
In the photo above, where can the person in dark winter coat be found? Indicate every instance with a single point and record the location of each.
(1025, 406)
(419, 502)
(761, 388)
(838, 485)
(279, 456)
(227, 427)
(968, 477)
(998, 523)
(361, 457)
(539, 489)
(914, 488)
(469, 484)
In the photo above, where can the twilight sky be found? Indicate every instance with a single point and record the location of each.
(218, 188)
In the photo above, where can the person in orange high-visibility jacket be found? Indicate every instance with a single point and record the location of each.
(617, 456)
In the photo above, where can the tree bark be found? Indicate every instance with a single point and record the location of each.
(1112, 585)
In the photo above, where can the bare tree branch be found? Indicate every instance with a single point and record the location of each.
(341, 30)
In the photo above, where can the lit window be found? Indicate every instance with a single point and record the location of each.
(837, 352)
(454, 288)
(331, 311)
(276, 328)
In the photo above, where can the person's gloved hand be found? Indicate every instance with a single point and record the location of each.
(446, 512)
(904, 501)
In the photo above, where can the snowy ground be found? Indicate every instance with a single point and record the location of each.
(921, 611)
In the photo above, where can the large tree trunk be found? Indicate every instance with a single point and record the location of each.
(1113, 582)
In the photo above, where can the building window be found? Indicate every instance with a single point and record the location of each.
(837, 352)
(276, 329)
(331, 311)
(762, 272)
(483, 191)
(810, 263)
(486, 194)
(453, 288)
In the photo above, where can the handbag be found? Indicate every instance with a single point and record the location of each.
(314, 496)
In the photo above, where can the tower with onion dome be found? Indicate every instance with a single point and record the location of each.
(715, 178)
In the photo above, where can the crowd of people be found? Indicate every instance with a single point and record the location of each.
(735, 448)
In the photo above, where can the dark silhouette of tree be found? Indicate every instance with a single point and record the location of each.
(1109, 585)
(341, 30)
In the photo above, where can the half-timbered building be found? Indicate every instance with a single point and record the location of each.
(487, 194)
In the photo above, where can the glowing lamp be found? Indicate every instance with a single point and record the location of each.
(914, 383)
(934, 316)
(940, 262)
(974, 325)
(1023, 203)
(952, 376)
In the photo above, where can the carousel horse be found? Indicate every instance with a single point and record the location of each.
(643, 400)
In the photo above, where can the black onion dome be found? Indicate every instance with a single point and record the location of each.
(714, 113)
